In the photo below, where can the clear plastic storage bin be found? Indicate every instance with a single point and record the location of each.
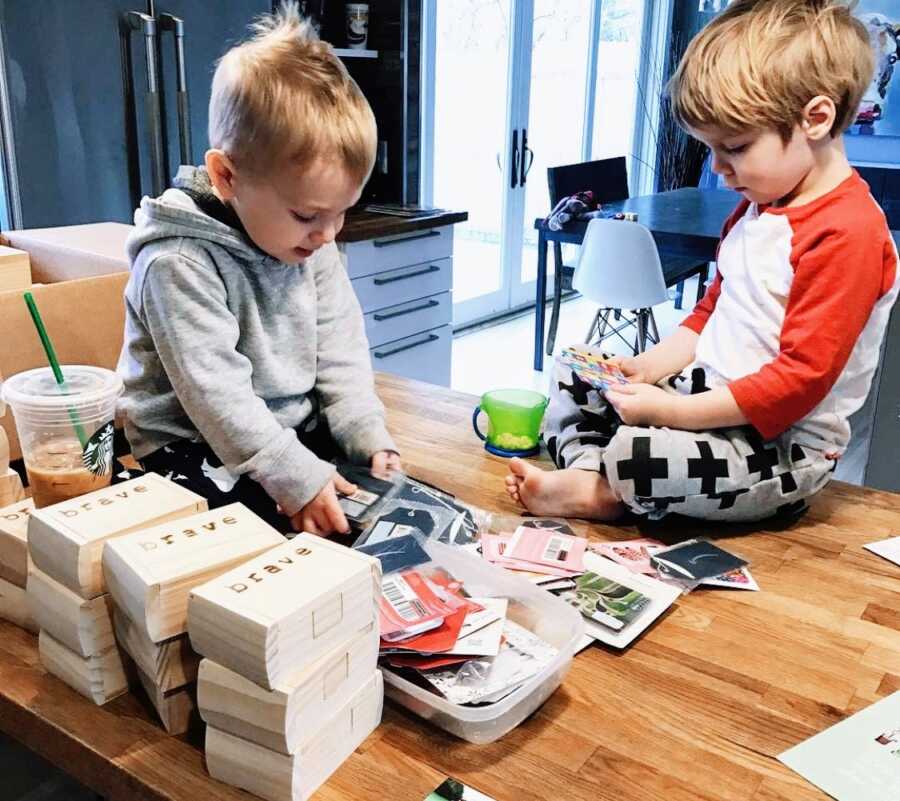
(544, 614)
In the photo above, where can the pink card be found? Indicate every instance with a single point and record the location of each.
(633, 554)
(494, 548)
(547, 547)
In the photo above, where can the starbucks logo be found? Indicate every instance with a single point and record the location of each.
(97, 455)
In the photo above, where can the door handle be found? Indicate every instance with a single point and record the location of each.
(514, 161)
(526, 151)
(384, 243)
(145, 24)
(169, 22)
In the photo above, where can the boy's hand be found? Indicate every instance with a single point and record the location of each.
(631, 368)
(323, 515)
(641, 404)
(385, 462)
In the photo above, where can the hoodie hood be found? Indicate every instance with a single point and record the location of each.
(176, 213)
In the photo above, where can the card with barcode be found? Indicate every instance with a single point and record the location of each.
(408, 606)
(547, 547)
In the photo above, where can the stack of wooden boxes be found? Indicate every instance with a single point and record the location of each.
(289, 685)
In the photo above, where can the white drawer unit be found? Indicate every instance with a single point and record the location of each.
(404, 284)
(405, 319)
(384, 253)
(424, 356)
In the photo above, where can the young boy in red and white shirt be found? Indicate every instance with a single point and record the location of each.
(743, 411)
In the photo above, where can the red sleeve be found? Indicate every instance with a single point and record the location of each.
(837, 281)
(696, 320)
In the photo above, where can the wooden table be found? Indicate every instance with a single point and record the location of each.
(684, 222)
(696, 710)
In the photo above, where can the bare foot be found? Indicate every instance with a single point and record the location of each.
(566, 493)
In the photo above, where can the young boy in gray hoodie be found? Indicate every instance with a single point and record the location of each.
(245, 359)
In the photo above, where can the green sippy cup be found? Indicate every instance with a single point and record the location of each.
(514, 421)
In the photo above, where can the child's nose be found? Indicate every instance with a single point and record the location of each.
(720, 166)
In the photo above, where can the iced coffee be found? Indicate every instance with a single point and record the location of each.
(56, 472)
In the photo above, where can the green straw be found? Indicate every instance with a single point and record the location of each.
(54, 365)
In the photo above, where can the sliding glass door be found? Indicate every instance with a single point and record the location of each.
(512, 87)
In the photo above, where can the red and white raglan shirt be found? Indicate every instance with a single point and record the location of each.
(794, 319)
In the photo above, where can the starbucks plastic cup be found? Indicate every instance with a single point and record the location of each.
(65, 431)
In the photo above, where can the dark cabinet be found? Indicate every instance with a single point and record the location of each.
(89, 100)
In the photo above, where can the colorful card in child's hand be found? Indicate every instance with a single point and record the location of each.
(591, 368)
(696, 559)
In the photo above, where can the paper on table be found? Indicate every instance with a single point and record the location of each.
(857, 759)
(887, 549)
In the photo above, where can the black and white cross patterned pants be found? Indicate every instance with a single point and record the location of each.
(723, 474)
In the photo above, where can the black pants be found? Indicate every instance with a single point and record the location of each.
(195, 466)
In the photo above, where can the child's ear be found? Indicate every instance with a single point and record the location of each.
(818, 118)
(221, 174)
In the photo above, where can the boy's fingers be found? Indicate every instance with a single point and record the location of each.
(343, 486)
(335, 517)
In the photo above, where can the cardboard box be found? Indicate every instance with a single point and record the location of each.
(69, 252)
(66, 539)
(85, 320)
(151, 571)
(15, 269)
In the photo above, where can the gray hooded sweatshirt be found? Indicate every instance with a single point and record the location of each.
(226, 345)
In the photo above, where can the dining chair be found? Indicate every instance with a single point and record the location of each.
(619, 269)
(608, 180)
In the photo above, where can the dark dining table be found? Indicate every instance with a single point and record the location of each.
(684, 222)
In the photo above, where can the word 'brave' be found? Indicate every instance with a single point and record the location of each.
(255, 577)
(106, 500)
(187, 533)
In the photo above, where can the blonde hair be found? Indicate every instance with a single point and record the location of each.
(283, 94)
(760, 62)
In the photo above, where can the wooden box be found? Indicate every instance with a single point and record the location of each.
(284, 718)
(82, 625)
(99, 678)
(14, 542)
(278, 777)
(14, 607)
(285, 609)
(150, 572)
(169, 665)
(66, 539)
(177, 709)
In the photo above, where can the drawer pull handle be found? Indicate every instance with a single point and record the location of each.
(433, 268)
(385, 353)
(390, 316)
(384, 243)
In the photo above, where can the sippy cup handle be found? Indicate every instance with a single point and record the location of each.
(475, 422)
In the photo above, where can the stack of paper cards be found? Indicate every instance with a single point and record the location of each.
(888, 549)
(289, 685)
(542, 551)
(418, 508)
(857, 759)
(638, 556)
(372, 491)
(14, 563)
(276, 776)
(463, 647)
(592, 368)
(616, 603)
(65, 581)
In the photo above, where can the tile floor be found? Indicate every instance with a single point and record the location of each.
(501, 356)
